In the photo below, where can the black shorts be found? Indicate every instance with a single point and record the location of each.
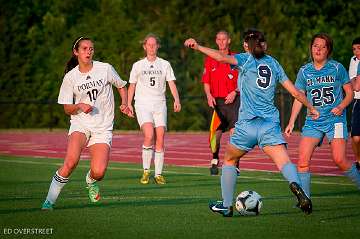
(228, 113)
(355, 118)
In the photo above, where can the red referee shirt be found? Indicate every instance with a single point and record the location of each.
(221, 78)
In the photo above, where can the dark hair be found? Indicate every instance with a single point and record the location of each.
(73, 62)
(328, 42)
(256, 42)
(356, 41)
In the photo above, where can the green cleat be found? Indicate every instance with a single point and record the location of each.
(47, 206)
(94, 194)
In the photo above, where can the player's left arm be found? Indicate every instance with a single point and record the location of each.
(356, 83)
(123, 95)
(349, 95)
(301, 97)
(175, 94)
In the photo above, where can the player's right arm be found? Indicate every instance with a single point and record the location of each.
(301, 97)
(73, 109)
(131, 93)
(210, 99)
(215, 54)
(66, 98)
(296, 108)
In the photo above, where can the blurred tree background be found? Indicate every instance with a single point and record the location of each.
(37, 36)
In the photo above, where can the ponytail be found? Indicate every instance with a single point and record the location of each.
(72, 63)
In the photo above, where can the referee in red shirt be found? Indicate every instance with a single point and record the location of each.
(220, 86)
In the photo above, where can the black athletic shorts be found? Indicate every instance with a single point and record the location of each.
(228, 113)
(355, 118)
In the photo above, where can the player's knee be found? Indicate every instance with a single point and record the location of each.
(98, 173)
(148, 139)
(356, 139)
(230, 161)
(341, 162)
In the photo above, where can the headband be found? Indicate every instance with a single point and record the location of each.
(77, 41)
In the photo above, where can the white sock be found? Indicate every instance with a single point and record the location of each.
(147, 153)
(57, 183)
(159, 162)
(89, 179)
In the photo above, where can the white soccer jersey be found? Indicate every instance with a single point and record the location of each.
(94, 88)
(353, 67)
(150, 79)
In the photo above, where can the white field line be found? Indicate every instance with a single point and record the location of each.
(168, 171)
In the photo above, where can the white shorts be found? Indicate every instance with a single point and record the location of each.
(91, 136)
(155, 113)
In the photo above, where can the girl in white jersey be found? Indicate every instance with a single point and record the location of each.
(148, 79)
(87, 95)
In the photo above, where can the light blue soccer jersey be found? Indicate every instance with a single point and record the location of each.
(324, 90)
(257, 83)
(358, 70)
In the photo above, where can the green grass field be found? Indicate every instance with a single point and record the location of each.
(178, 209)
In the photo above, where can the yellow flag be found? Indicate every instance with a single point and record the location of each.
(215, 123)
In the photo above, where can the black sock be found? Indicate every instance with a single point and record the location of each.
(216, 154)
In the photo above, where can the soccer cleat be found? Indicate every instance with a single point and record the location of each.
(47, 206)
(159, 179)
(304, 202)
(214, 170)
(145, 177)
(94, 194)
(217, 206)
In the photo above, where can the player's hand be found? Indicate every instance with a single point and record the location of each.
(211, 101)
(230, 97)
(289, 129)
(177, 106)
(191, 43)
(313, 113)
(130, 111)
(124, 109)
(86, 108)
(337, 110)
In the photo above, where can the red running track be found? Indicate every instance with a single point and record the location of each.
(183, 149)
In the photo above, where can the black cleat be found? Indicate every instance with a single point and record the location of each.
(214, 170)
(304, 202)
(217, 206)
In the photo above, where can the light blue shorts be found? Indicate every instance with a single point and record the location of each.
(334, 130)
(257, 131)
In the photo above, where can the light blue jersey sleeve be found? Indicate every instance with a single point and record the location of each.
(358, 70)
(300, 82)
(279, 72)
(241, 58)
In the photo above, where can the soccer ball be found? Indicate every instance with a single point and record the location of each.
(248, 203)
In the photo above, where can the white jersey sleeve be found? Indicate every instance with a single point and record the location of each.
(134, 73)
(353, 67)
(170, 76)
(114, 78)
(66, 94)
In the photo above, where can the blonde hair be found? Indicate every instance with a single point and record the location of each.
(151, 35)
